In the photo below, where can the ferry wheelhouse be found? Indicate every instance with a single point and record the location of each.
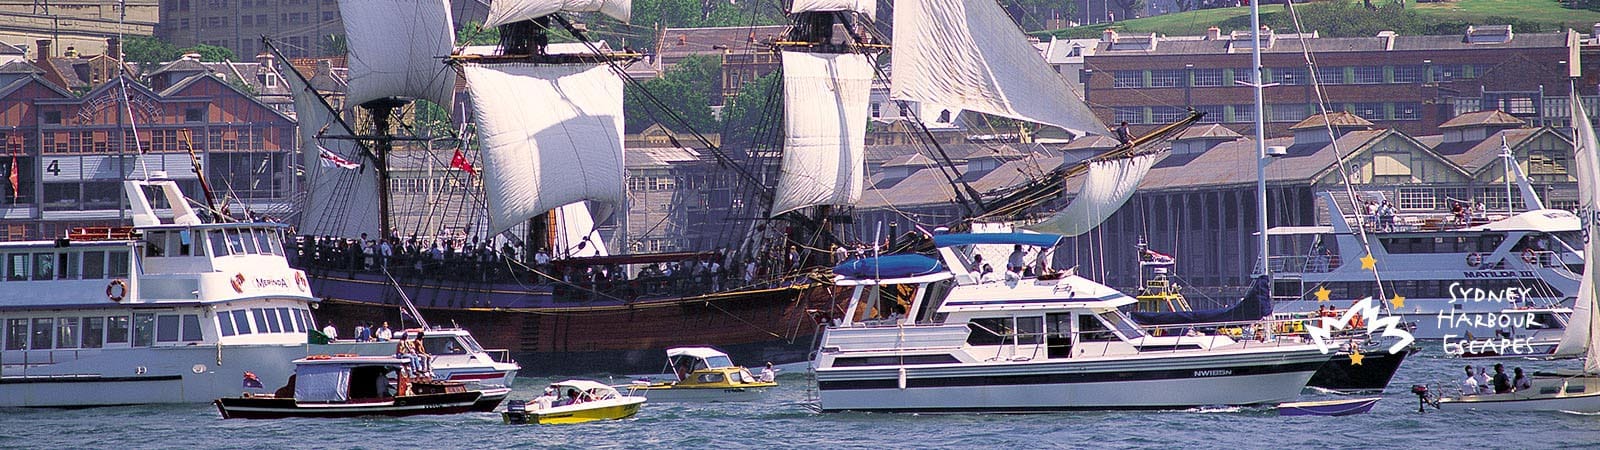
(924, 336)
(1480, 275)
(171, 310)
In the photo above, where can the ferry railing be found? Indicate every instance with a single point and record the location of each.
(1305, 263)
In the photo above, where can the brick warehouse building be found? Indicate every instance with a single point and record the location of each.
(1408, 83)
(71, 152)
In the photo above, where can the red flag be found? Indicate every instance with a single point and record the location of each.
(14, 178)
(460, 162)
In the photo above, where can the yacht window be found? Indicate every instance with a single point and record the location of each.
(154, 242)
(288, 323)
(1122, 324)
(119, 264)
(219, 243)
(235, 242)
(472, 344)
(185, 243)
(299, 320)
(445, 345)
(67, 265)
(17, 334)
(94, 265)
(241, 321)
(989, 331)
(67, 332)
(17, 269)
(94, 332)
(44, 266)
(1091, 329)
(117, 329)
(42, 330)
(144, 329)
(225, 323)
(167, 328)
(1030, 330)
(261, 243)
(191, 328)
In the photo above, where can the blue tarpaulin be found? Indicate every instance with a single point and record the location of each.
(890, 266)
(1034, 239)
(1254, 306)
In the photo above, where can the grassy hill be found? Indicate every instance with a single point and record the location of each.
(1335, 18)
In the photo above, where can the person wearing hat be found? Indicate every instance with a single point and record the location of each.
(549, 398)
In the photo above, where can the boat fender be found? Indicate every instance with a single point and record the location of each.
(1528, 256)
(117, 290)
(1474, 259)
(902, 378)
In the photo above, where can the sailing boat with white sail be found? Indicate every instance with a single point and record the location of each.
(1576, 392)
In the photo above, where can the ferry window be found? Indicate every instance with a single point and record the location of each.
(277, 243)
(989, 331)
(44, 266)
(144, 329)
(117, 330)
(1030, 330)
(263, 245)
(312, 324)
(225, 322)
(67, 332)
(154, 241)
(167, 328)
(247, 240)
(235, 245)
(119, 264)
(299, 320)
(94, 332)
(185, 241)
(1091, 329)
(261, 320)
(67, 265)
(42, 330)
(241, 321)
(175, 244)
(288, 323)
(191, 328)
(16, 334)
(17, 267)
(219, 245)
(94, 265)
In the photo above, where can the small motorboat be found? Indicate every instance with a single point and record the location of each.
(703, 374)
(1342, 407)
(573, 401)
(354, 386)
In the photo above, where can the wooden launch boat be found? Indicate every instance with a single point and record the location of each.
(355, 386)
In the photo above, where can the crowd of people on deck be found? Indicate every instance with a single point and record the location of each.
(1481, 383)
(363, 332)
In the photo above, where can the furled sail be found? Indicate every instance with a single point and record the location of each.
(1107, 186)
(395, 48)
(825, 127)
(868, 8)
(340, 201)
(969, 55)
(1583, 329)
(502, 12)
(557, 140)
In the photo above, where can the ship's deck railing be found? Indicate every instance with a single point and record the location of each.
(1306, 263)
(1265, 333)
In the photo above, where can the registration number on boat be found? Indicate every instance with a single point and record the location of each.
(1213, 373)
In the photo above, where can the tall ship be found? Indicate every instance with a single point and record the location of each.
(544, 123)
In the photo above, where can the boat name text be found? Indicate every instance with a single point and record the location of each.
(1499, 274)
(1213, 373)
(1459, 294)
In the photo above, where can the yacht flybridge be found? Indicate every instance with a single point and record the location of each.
(921, 335)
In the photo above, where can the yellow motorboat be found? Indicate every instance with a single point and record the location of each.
(574, 401)
(703, 374)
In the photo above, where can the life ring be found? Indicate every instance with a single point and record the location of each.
(1528, 256)
(116, 290)
(1474, 259)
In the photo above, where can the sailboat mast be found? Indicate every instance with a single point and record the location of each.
(1261, 139)
(382, 143)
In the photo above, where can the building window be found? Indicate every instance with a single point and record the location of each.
(1165, 114)
(1244, 113)
(1129, 114)
(1450, 72)
(1242, 75)
(1391, 164)
(1290, 76)
(1368, 74)
(877, 109)
(1369, 111)
(194, 115)
(1288, 112)
(1407, 74)
(1407, 111)
(1166, 78)
(1330, 75)
(1127, 79)
(1416, 198)
(1207, 78)
(1214, 113)
(52, 117)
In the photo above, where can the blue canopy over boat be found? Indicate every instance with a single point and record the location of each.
(889, 266)
(1034, 239)
(1255, 305)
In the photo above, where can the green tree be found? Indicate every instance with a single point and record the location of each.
(211, 53)
(686, 89)
(1134, 8)
(148, 52)
(474, 33)
(755, 115)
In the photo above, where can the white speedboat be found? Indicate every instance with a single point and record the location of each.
(912, 341)
(456, 356)
(703, 374)
(171, 310)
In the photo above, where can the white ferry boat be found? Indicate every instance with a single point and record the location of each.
(172, 310)
(1470, 277)
(920, 336)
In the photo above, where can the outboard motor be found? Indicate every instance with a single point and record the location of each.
(1424, 397)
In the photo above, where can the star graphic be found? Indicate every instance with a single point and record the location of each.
(1323, 293)
(1356, 357)
(1398, 301)
(1368, 262)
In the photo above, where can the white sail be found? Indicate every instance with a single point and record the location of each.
(576, 236)
(1107, 186)
(339, 202)
(1530, 198)
(868, 8)
(825, 127)
(551, 135)
(395, 48)
(502, 12)
(1583, 329)
(969, 55)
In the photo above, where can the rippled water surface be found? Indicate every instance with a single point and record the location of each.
(784, 422)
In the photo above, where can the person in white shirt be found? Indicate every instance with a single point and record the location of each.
(767, 374)
(333, 333)
(545, 401)
(384, 333)
(1470, 385)
(1484, 386)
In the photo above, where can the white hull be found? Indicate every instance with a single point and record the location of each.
(703, 395)
(1580, 395)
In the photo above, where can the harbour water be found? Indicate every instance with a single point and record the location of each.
(784, 422)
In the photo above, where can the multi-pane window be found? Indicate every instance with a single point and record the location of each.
(1244, 113)
(1213, 113)
(1207, 78)
(1165, 114)
(1407, 74)
(1166, 78)
(1407, 111)
(1241, 75)
(1288, 112)
(1416, 198)
(1330, 75)
(1368, 74)
(1369, 111)
(1290, 76)
(1127, 79)
(1129, 114)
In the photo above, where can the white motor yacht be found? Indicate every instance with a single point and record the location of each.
(924, 336)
